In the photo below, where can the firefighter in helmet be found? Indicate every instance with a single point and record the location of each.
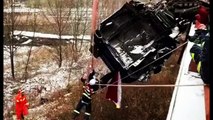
(89, 88)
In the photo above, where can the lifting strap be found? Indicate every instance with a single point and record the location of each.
(94, 27)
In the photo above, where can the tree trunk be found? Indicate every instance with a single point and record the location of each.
(60, 52)
(12, 61)
(60, 56)
(28, 61)
(12, 44)
(34, 27)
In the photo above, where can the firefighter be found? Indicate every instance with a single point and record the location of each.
(200, 50)
(200, 55)
(89, 89)
(21, 105)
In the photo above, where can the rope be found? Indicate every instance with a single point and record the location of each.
(154, 85)
(168, 85)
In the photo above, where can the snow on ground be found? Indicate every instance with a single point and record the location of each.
(53, 36)
(18, 50)
(22, 10)
(51, 77)
(27, 42)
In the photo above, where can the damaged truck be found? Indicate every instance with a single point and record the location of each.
(138, 38)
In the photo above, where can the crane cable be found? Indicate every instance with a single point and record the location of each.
(155, 85)
(93, 28)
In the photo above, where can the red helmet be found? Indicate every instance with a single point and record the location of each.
(203, 15)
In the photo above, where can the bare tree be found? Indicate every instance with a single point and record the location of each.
(108, 7)
(34, 25)
(58, 14)
(12, 21)
(69, 17)
(79, 26)
(9, 37)
(81, 20)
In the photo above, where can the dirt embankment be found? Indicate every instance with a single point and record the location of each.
(145, 103)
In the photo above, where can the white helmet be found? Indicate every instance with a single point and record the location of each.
(92, 81)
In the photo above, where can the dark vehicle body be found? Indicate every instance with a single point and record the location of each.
(136, 40)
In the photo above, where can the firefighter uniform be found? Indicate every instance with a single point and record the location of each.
(21, 105)
(200, 50)
(88, 91)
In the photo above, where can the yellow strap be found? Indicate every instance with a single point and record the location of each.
(193, 56)
(198, 67)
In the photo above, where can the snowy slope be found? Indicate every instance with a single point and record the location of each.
(51, 77)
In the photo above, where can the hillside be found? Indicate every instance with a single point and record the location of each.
(64, 92)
